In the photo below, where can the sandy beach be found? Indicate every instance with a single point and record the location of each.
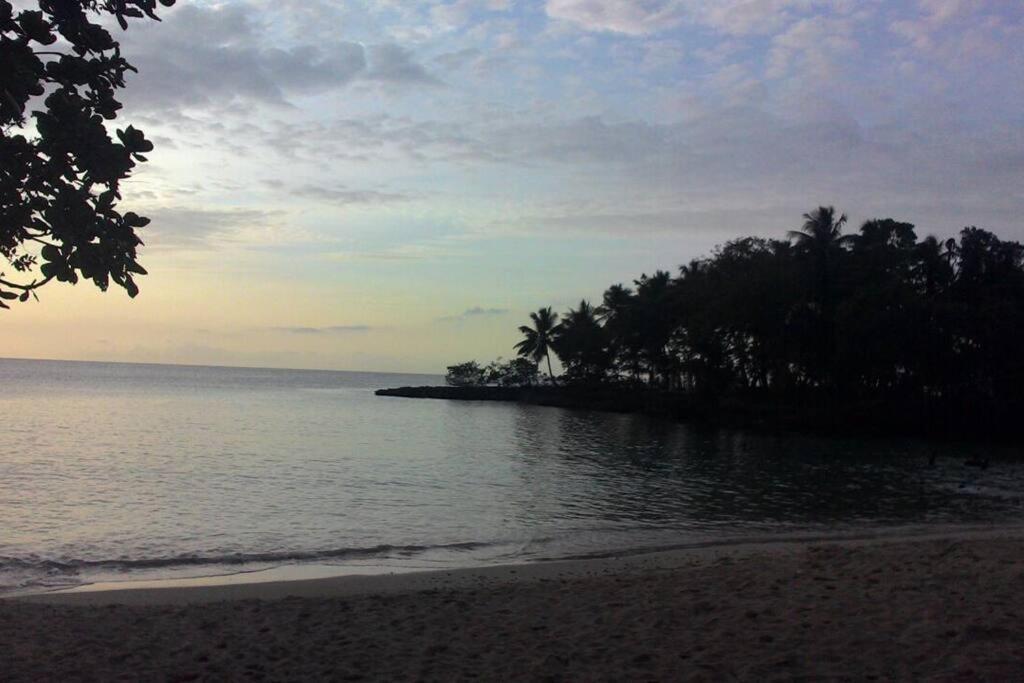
(942, 607)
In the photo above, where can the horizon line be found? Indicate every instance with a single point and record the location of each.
(218, 367)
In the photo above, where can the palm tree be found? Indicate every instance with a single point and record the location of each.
(934, 273)
(539, 340)
(617, 313)
(584, 316)
(821, 236)
(821, 229)
(934, 265)
(616, 302)
(654, 323)
(581, 343)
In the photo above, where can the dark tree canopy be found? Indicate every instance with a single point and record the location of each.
(538, 340)
(927, 332)
(518, 372)
(466, 374)
(60, 169)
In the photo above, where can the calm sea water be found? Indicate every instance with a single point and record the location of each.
(125, 472)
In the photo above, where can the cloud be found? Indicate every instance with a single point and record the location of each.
(377, 137)
(632, 17)
(331, 329)
(588, 139)
(942, 10)
(729, 17)
(739, 170)
(413, 251)
(199, 228)
(474, 312)
(747, 17)
(451, 61)
(217, 54)
(477, 310)
(757, 131)
(347, 197)
(638, 177)
(815, 44)
(961, 34)
(395, 64)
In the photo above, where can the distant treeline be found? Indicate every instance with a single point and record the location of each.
(924, 330)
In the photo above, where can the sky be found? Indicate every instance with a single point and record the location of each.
(393, 185)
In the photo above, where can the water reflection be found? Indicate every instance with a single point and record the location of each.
(163, 469)
(649, 473)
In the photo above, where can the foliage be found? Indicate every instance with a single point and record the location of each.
(468, 374)
(59, 168)
(582, 345)
(517, 372)
(878, 315)
(538, 341)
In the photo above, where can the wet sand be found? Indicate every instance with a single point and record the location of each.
(937, 608)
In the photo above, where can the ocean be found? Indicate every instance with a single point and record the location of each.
(115, 472)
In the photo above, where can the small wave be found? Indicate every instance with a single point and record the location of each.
(50, 566)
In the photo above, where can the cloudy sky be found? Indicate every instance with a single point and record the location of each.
(393, 185)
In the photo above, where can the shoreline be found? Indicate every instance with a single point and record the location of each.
(945, 607)
(340, 580)
(814, 414)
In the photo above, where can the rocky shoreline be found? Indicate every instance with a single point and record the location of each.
(608, 399)
(811, 413)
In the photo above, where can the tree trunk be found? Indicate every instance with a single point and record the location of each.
(550, 374)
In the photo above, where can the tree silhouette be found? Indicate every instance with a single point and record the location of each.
(581, 343)
(616, 314)
(933, 268)
(654, 324)
(59, 188)
(538, 341)
(820, 238)
(908, 331)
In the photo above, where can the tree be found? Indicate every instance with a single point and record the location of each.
(654, 323)
(904, 333)
(59, 168)
(820, 238)
(616, 314)
(933, 268)
(517, 372)
(582, 344)
(468, 374)
(538, 341)
(886, 232)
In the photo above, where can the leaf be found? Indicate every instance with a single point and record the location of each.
(105, 200)
(134, 220)
(8, 295)
(36, 27)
